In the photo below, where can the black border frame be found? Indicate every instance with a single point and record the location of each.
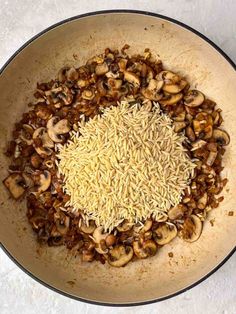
(113, 12)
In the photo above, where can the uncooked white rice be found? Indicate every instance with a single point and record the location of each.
(127, 163)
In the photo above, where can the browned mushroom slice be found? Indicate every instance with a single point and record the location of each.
(88, 94)
(193, 98)
(190, 134)
(120, 255)
(177, 212)
(26, 134)
(124, 226)
(56, 128)
(152, 91)
(169, 77)
(173, 83)
(44, 181)
(132, 78)
(175, 88)
(221, 137)
(47, 143)
(15, 184)
(202, 202)
(122, 64)
(203, 125)
(145, 249)
(110, 240)
(171, 99)
(179, 126)
(68, 73)
(180, 117)
(198, 144)
(101, 69)
(63, 224)
(192, 229)
(144, 228)
(88, 228)
(211, 158)
(99, 238)
(165, 233)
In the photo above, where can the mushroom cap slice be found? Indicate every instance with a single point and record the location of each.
(175, 88)
(165, 233)
(177, 212)
(88, 229)
(145, 249)
(99, 236)
(152, 91)
(142, 229)
(132, 78)
(168, 77)
(44, 181)
(171, 99)
(120, 255)
(55, 128)
(193, 98)
(47, 143)
(192, 229)
(179, 126)
(124, 226)
(221, 137)
(14, 183)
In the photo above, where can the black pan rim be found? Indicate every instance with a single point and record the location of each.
(206, 39)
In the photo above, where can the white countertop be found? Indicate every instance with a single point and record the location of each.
(22, 19)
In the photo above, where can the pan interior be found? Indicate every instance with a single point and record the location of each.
(73, 43)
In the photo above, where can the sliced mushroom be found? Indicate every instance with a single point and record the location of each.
(173, 83)
(198, 144)
(89, 229)
(101, 69)
(179, 126)
(47, 143)
(142, 229)
(169, 77)
(221, 137)
(175, 88)
(145, 249)
(202, 202)
(203, 125)
(15, 183)
(193, 98)
(120, 255)
(27, 130)
(165, 233)
(63, 224)
(29, 183)
(44, 181)
(192, 229)
(152, 91)
(124, 226)
(171, 99)
(211, 158)
(110, 240)
(190, 134)
(68, 73)
(177, 212)
(132, 78)
(180, 117)
(99, 237)
(122, 64)
(56, 128)
(88, 94)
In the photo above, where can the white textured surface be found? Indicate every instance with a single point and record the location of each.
(22, 19)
